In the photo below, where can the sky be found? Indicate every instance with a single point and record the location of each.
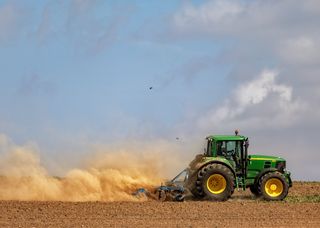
(83, 72)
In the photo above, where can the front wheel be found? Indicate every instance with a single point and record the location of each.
(273, 186)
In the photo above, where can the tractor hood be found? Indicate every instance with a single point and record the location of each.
(254, 157)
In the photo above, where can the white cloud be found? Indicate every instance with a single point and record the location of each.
(207, 14)
(271, 101)
(256, 91)
(267, 23)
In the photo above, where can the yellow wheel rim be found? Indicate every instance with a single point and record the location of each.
(273, 187)
(216, 183)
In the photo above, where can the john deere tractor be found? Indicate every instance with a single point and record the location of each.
(226, 165)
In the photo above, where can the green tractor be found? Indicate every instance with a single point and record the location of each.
(226, 165)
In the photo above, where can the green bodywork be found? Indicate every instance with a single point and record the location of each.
(231, 150)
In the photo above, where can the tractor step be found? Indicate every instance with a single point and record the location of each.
(240, 183)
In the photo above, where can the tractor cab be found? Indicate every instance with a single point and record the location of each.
(233, 148)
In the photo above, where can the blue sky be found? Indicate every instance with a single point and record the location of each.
(78, 72)
(59, 77)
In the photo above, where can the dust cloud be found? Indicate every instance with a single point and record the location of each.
(109, 174)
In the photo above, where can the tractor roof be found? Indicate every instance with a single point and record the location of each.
(227, 137)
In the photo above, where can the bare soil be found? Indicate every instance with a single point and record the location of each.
(300, 209)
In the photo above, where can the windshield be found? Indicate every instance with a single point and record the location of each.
(207, 148)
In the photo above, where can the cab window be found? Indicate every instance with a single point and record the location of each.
(221, 148)
(225, 148)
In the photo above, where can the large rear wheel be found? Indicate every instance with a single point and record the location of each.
(273, 186)
(197, 192)
(217, 182)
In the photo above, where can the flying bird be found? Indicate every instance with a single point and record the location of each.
(150, 87)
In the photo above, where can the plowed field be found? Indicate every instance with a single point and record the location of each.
(300, 209)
